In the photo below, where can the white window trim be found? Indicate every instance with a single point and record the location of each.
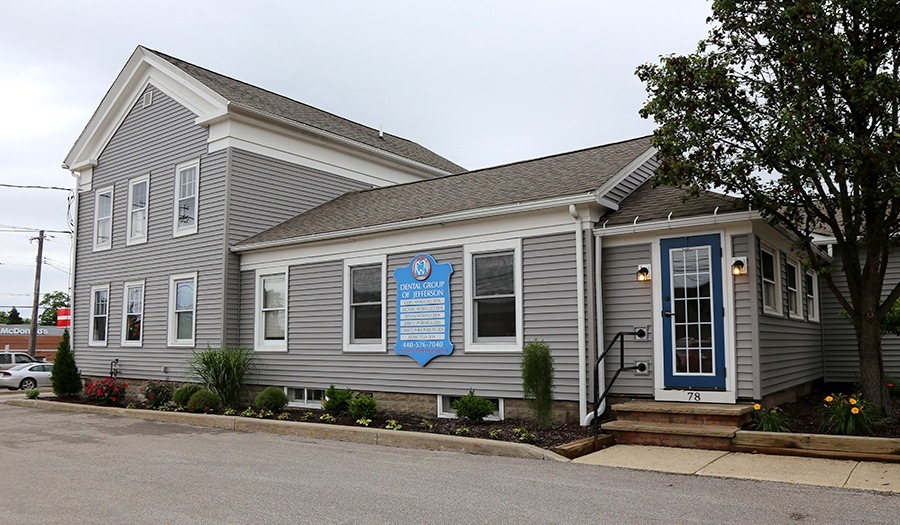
(469, 250)
(112, 196)
(798, 278)
(814, 315)
(776, 265)
(303, 401)
(451, 414)
(129, 240)
(350, 346)
(173, 326)
(91, 340)
(180, 232)
(260, 343)
(125, 286)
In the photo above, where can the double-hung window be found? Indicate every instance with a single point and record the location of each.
(493, 296)
(795, 307)
(103, 208)
(182, 309)
(187, 184)
(99, 315)
(138, 202)
(271, 311)
(133, 314)
(811, 293)
(364, 305)
(770, 281)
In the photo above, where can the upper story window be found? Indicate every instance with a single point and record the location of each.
(493, 303)
(770, 281)
(182, 308)
(133, 314)
(795, 307)
(811, 293)
(187, 184)
(138, 201)
(99, 315)
(364, 305)
(103, 208)
(271, 311)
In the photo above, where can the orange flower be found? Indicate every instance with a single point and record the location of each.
(854, 410)
(757, 406)
(829, 399)
(852, 401)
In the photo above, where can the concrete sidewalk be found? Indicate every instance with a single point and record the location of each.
(863, 475)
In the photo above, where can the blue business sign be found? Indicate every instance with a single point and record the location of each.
(423, 309)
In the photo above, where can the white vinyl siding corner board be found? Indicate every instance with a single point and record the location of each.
(98, 332)
(471, 253)
(133, 313)
(138, 210)
(182, 309)
(354, 304)
(103, 215)
(187, 191)
(271, 312)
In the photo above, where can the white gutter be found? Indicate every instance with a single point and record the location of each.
(325, 134)
(478, 213)
(687, 222)
(582, 335)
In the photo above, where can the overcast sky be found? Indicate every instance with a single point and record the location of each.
(479, 82)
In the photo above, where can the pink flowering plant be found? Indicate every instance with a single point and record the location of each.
(157, 393)
(106, 391)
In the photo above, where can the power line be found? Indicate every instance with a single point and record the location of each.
(35, 187)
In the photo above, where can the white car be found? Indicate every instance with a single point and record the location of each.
(26, 376)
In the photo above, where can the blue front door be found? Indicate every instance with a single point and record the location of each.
(692, 313)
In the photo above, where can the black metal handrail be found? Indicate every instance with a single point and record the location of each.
(598, 398)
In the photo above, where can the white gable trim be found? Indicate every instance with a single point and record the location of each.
(142, 69)
(614, 181)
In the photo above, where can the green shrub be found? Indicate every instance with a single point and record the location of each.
(222, 370)
(847, 415)
(204, 401)
(272, 399)
(337, 400)
(183, 394)
(33, 393)
(537, 381)
(106, 391)
(772, 420)
(65, 377)
(363, 407)
(157, 393)
(472, 407)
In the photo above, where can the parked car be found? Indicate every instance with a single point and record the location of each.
(11, 359)
(26, 376)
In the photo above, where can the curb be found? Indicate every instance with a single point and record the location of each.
(365, 435)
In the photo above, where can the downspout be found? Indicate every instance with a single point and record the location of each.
(582, 336)
(598, 297)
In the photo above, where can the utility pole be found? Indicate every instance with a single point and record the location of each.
(32, 341)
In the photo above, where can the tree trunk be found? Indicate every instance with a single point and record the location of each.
(871, 365)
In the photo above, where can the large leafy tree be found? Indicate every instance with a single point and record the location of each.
(51, 303)
(793, 104)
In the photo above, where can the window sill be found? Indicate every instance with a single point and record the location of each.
(375, 348)
(184, 233)
(99, 344)
(502, 348)
(180, 344)
(133, 344)
(272, 349)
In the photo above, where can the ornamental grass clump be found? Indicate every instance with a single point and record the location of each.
(847, 415)
(272, 399)
(222, 370)
(537, 381)
(771, 420)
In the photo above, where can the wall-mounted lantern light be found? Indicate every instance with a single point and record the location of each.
(643, 273)
(739, 266)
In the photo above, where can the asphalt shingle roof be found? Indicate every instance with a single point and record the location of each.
(280, 106)
(566, 174)
(649, 203)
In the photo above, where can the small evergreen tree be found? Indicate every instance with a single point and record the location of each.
(65, 378)
(537, 380)
(14, 317)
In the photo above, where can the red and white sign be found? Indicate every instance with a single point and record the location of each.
(64, 317)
